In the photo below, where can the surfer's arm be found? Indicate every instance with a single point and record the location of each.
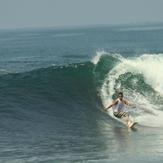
(114, 103)
(128, 103)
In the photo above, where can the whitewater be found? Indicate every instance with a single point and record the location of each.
(148, 104)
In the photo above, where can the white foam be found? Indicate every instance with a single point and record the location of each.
(99, 54)
(151, 67)
(97, 57)
(149, 115)
(3, 71)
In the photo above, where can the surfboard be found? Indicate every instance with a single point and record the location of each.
(122, 121)
(133, 124)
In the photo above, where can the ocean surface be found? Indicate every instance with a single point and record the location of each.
(56, 82)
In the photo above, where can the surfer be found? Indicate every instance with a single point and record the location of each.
(118, 107)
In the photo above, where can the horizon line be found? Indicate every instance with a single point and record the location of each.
(83, 26)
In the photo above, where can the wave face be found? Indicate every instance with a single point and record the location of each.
(53, 87)
(90, 85)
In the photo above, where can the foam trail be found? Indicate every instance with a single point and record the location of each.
(148, 113)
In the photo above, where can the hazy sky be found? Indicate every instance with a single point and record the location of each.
(42, 13)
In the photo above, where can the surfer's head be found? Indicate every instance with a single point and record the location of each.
(120, 95)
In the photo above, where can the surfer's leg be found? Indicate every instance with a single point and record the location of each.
(129, 122)
(126, 119)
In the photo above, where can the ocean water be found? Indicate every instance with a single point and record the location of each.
(55, 84)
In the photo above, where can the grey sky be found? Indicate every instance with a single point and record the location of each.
(42, 13)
